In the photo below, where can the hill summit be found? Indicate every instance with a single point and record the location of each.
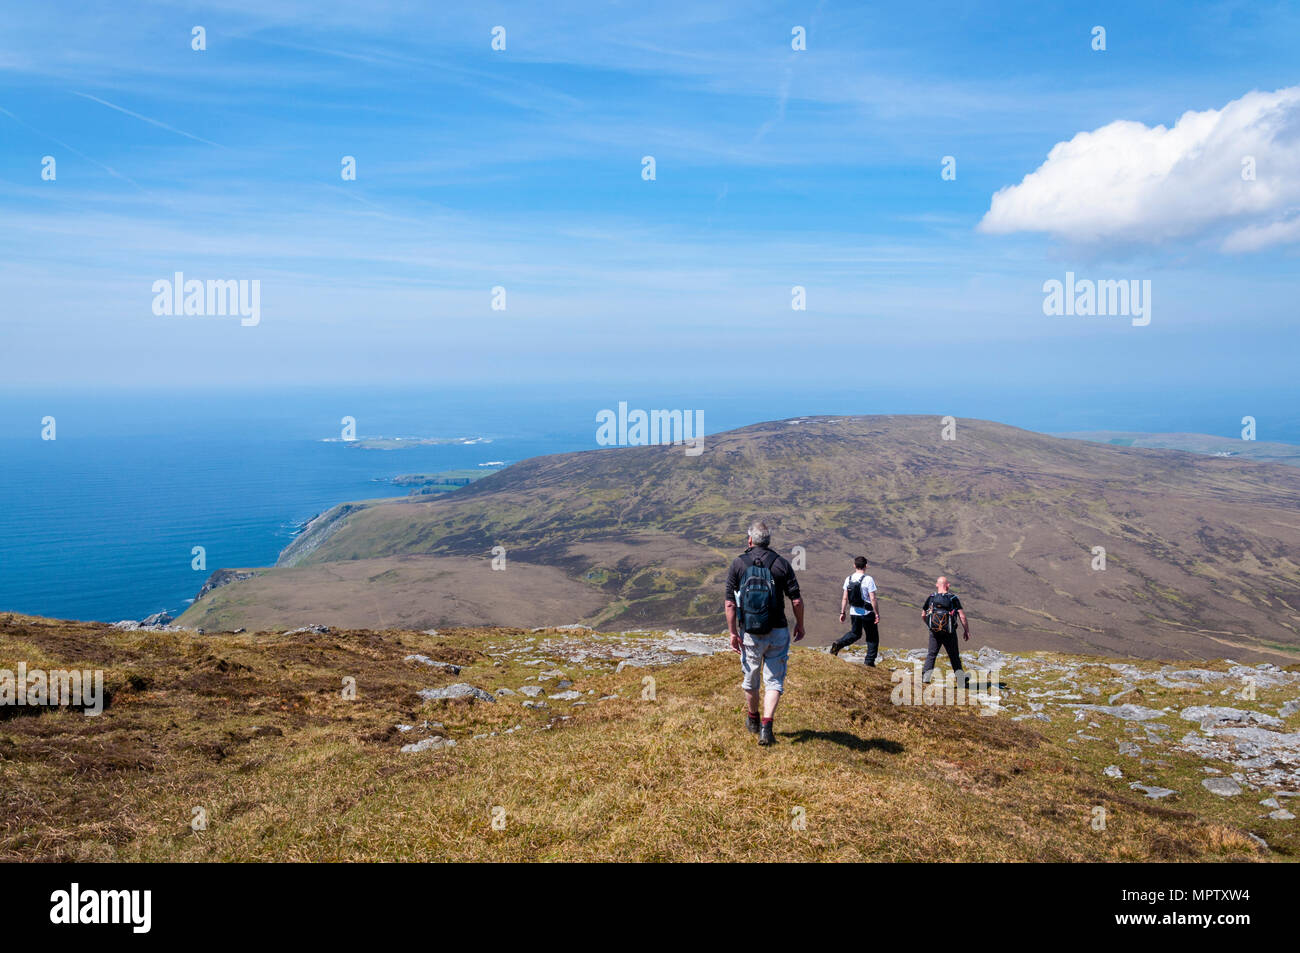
(1052, 543)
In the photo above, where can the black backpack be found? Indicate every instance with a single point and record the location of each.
(856, 598)
(757, 596)
(942, 620)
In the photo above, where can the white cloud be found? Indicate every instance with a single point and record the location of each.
(1131, 182)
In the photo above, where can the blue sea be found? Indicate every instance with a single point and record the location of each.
(100, 523)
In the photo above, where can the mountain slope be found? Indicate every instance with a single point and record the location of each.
(581, 760)
(1201, 552)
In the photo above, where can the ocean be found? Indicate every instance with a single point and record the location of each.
(101, 522)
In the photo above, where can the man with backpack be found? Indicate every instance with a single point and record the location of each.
(757, 586)
(941, 612)
(860, 600)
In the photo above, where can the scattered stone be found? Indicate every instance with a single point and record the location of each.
(1210, 716)
(565, 696)
(532, 691)
(1151, 791)
(1281, 814)
(1126, 712)
(425, 660)
(502, 692)
(1223, 787)
(1130, 749)
(695, 647)
(429, 744)
(1113, 771)
(310, 630)
(459, 690)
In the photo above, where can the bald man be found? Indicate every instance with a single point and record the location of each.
(941, 612)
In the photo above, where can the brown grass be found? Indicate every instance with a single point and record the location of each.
(253, 729)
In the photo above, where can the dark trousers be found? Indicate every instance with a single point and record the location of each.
(948, 641)
(864, 627)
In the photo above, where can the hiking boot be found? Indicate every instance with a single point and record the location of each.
(753, 723)
(765, 736)
(835, 648)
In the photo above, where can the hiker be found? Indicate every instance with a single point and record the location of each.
(757, 585)
(941, 612)
(860, 600)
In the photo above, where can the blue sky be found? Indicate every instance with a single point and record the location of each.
(522, 168)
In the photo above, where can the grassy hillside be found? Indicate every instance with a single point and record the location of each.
(254, 730)
(1201, 551)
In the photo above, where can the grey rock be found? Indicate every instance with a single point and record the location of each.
(425, 660)
(1151, 791)
(1210, 716)
(1130, 749)
(565, 696)
(310, 630)
(1126, 712)
(695, 647)
(429, 744)
(502, 692)
(1223, 787)
(532, 691)
(459, 690)
(1281, 814)
(1113, 771)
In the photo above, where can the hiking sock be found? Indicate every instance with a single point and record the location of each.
(767, 721)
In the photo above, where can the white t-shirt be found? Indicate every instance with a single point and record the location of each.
(868, 587)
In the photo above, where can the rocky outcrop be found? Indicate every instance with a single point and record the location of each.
(317, 531)
(224, 577)
(459, 690)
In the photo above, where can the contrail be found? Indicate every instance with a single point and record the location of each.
(107, 168)
(152, 122)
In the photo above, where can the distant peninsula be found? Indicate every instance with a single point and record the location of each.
(403, 443)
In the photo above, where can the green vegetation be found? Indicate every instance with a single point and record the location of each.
(442, 482)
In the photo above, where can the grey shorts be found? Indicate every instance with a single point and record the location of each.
(767, 653)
